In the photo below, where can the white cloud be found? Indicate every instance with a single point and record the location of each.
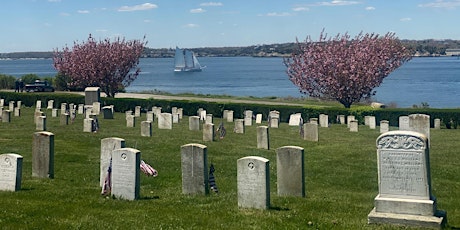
(83, 11)
(275, 14)
(442, 4)
(197, 11)
(64, 14)
(54, 0)
(191, 25)
(147, 21)
(370, 8)
(405, 19)
(300, 8)
(102, 30)
(211, 4)
(145, 6)
(337, 3)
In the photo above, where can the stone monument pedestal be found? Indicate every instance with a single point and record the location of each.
(436, 221)
(405, 196)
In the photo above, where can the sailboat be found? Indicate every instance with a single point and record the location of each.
(186, 61)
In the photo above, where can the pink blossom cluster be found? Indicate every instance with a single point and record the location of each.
(106, 64)
(344, 69)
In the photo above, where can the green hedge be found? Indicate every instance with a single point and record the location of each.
(450, 118)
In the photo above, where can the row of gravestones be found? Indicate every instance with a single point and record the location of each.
(253, 172)
(404, 179)
(404, 197)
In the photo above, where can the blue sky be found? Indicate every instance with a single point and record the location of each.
(42, 25)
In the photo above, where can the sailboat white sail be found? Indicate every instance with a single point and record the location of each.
(186, 61)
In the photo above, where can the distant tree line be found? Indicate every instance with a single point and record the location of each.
(428, 47)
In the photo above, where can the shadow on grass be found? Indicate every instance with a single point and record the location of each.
(150, 198)
(275, 208)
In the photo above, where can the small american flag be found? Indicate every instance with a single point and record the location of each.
(147, 169)
(212, 180)
(107, 187)
(221, 130)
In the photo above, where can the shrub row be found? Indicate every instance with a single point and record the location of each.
(450, 118)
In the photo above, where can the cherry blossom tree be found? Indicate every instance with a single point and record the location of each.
(344, 69)
(110, 65)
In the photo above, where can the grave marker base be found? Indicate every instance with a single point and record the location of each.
(436, 221)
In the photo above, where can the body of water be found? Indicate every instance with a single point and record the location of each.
(432, 80)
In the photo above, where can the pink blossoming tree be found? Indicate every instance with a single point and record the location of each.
(344, 69)
(107, 64)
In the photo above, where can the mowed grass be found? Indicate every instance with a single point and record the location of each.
(340, 169)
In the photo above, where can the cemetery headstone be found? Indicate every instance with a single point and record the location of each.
(43, 155)
(54, 112)
(137, 111)
(202, 114)
(342, 119)
(274, 122)
(88, 125)
(259, 118)
(17, 111)
(230, 116)
(165, 121)
(353, 126)
(6, 116)
(239, 126)
(194, 165)
(150, 116)
(314, 120)
(194, 123)
(126, 173)
(209, 119)
(96, 109)
(92, 94)
(38, 105)
(180, 111)
(107, 112)
(310, 132)
(11, 106)
(248, 117)
(290, 171)
(156, 110)
(63, 108)
(294, 119)
(208, 132)
(64, 119)
(175, 118)
(107, 146)
(437, 123)
(384, 126)
(405, 195)
(420, 123)
(366, 120)
(10, 172)
(50, 104)
(253, 182)
(41, 123)
(130, 121)
(404, 123)
(263, 141)
(350, 118)
(81, 109)
(324, 120)
(146, 128)
(372, 122)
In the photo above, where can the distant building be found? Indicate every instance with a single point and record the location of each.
(452, 52)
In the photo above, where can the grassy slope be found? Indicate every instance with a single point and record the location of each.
(341, 179)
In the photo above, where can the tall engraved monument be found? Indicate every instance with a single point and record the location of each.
(404, 182)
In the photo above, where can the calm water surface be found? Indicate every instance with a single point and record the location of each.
(435, 80)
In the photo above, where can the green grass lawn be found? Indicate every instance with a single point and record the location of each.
(340, 169)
